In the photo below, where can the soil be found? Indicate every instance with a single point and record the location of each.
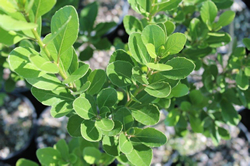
(17, 119)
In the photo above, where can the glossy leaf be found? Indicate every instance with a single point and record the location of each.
(48, 156)
(246, 42)
(182, 67)
(208, 13)
(10, 37)
(91, 155)
(50, 98)
(69, 34)
(196, 124)
(179, 90)
(25, 162)
(242, 81)
(63, 148)
(97, 78)
(110, 145)
(41, 7)
(174, 44)
(116, 130)
(9, 24)
(105, 124)
(170, 27)
(225, 18)
(147, 115)
(132, 24)
(159, 66)
(125, 145)
(83, 108)
(73, 126)
(172, 117)
(158, 89)
(125, 117)
(138, 49)
(218, 39)
(140, 155)
(79, 73)
(139, 76)
(229, 114)
(43, 64)
(153, 34)
(107, 97)
(150, 137)
(167, 5)
(118, 74)
(19, 63)
(90, 132)
(61, 109)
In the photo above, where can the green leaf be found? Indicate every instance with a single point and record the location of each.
(229, 114)
(10, 37)
(132, 24)
(196, 124)
(208, 13)
(105, 124)
(179, 90)
(118, 74)
(125, 145)
(104, 112)
(79, 73)
(52, 97)
(83, 89)
(170, 27)
(246, 41)
(106, 159)
(120, 55)
(25, 162)
(19, 63)
(140, 155)
(139, 76)
(218, 39)
(151, 50)
(182, 67)
(48, 156)
(150, 137)
(73, 126)
(214, 134)
(83, 108)
(116, 130)
(138, 49)
(172, 117)
(97, 78)
(110, 146)
(159, 66)
(174, 44)
(242, 80)
(69, 34)
(91, 155)
(125, 117)
(43, 64)
(185, 106)
(247, 71)
(107, 97)
(61, 109)
(158, 89)
(90, 132)
(86, 54)
(147, 115)
(197, 98)
(225, 18)
(167, 5)
(10, 24)
(8, 6)
(45, 82)
(88, 16)
(63, 148)
(41, 7)
(224, 134)
(153, 34)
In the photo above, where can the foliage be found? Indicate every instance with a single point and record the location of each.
(118, 107)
